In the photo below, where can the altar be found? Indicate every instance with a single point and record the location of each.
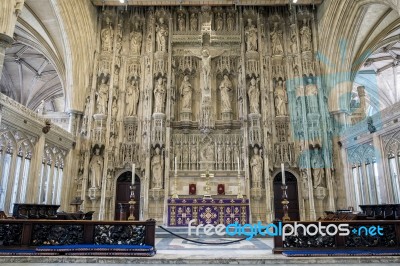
(207, 211)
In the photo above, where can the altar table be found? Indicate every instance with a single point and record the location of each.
(207, 211)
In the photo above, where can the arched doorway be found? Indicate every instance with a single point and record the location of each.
(292, 193)
(122, 194)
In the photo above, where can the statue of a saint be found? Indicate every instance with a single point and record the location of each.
(305, 36)
(186, 93)
(162, 35)
(312, 96)
(219, 22)
(114, 108)
(256, 164)
(107, 37)
(96, 169)
(317, 163)
(193, 22)
(230, 22)
(102, 97)
(132, 98)
(293, 44)
(280, 99)
(159, 96)
(157, 169)
(254, 97)
(251, 36)
(181, 22)
(136, 38)
(276, 40)
(225, 87)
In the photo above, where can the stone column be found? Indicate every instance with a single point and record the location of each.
(10, 11)
(74, 119)
(33, 189)
(5, 42)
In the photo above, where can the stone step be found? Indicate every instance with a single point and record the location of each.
(183, 232)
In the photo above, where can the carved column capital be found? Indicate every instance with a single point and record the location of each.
(5, 40)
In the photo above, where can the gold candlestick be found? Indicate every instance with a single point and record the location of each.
(175, 195)
(132, 204)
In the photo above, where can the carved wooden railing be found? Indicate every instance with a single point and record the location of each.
(356, 240)
(58, 232)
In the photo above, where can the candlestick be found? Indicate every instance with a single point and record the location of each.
(283, 173)
(132, 204)
(176, 168)
(238, 165)
(133, 174)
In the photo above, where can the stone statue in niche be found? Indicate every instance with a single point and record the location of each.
(317, 163)
(96, 169)
(256, 164)
(305, 36)
(226, 88)
(107, 37)
(132, 98)
(280, 99)
(162, 35)
(136, 38)
(230, 22)
(181, 22)
(312, 96)
(193, 22)
(114, 110)
(116, 79)
(276, 40)
(186, 93)
(293, 44)
(219, 22)
(251, 36)
(254, 96)
(148, 43)
(159, 96)
(102, 97)
(157, 169)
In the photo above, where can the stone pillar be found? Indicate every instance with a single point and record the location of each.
(10, 10)
(33, 190)
(74, 121)
(5, 42)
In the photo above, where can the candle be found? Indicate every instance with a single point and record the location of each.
(133, 174)
(238, 166)
(176, 168)
(283, 173)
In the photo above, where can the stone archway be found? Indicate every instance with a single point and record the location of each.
(122, 194)
(293, 196)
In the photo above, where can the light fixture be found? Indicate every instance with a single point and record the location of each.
(122, 1)
(294, 1)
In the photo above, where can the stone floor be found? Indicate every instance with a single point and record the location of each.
(175, 251)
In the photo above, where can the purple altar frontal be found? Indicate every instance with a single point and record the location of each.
(207, 211)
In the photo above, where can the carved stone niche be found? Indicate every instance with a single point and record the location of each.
(252, 64)
(255, 134)
(157, 133)
(99, 130)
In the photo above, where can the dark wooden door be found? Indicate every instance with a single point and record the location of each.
(123, 193)
(293, 196)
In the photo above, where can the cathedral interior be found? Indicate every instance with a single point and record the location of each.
(181, 101)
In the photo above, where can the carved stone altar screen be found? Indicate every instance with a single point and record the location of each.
(205, 85)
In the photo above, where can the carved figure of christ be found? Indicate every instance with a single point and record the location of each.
(206, 57)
